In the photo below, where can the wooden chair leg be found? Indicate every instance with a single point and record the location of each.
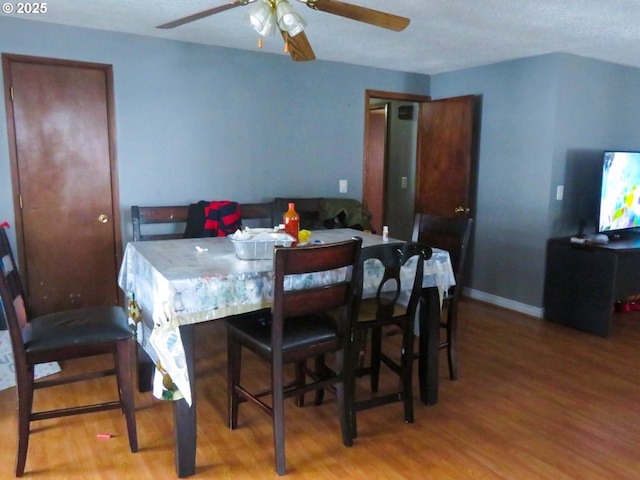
(451, 341)
(25, 405)
(406, 363)
(300, 368)
(452, 348)
(318, 365)
(234, 365)
(277, 390)
(344, 394)
(126, 357)
(361, 345)
(321, 369)
(376, 348)
(353, 359)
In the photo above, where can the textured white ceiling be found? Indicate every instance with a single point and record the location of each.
(444, 35)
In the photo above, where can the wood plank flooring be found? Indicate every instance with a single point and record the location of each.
(534, 401)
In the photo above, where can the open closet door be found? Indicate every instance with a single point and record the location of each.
(445, 150)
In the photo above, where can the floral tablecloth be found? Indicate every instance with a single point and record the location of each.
(181, 282)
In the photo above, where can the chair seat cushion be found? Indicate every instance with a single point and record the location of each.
(299, 332)
(81, 327)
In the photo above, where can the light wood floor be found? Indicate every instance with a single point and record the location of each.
(534, 401)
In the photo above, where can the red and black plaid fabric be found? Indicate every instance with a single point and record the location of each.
(212, 219)
(221, 218)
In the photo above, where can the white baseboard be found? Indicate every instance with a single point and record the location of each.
(504, 302)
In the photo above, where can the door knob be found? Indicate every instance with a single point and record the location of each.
(103, 218)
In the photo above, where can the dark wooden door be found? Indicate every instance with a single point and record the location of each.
(445, 176)
(64, 182)
(375, 164)
(445, 151)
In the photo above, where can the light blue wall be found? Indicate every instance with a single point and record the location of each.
(197, 122)
(545, 122)
(516, 146)
(202, 123)
(603, 113)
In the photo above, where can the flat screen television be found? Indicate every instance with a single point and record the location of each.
(620, 192)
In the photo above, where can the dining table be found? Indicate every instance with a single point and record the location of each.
(174, 285)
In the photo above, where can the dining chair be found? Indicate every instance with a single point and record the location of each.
(307, 318)
(387, 308)
(173, 219)
(61, 336)
(452, 234)
(7, 258)
(258, 215)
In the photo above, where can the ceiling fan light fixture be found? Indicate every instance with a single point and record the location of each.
(263, 19)
(288, 19)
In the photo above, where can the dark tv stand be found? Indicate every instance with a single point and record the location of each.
(583, 281)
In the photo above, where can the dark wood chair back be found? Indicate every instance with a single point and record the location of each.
(14, 305)
(173, 219)
(12, 276)
(166, 223)
(388, 308)
(303, 322)
(452, 234)
(258, 215)
(393, 257)
(307, 301)
(448, 233)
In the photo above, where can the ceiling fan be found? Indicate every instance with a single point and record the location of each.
(267, 16)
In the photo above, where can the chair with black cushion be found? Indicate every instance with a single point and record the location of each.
(392, 304)
(451, 234)
(308, 318)
(73, 334)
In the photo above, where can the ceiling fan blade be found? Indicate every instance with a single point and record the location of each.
(299, 47)
(360, 14)
(205, 13)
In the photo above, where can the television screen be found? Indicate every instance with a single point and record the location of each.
(620, 192)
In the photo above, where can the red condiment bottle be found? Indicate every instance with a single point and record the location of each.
(291, 222)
